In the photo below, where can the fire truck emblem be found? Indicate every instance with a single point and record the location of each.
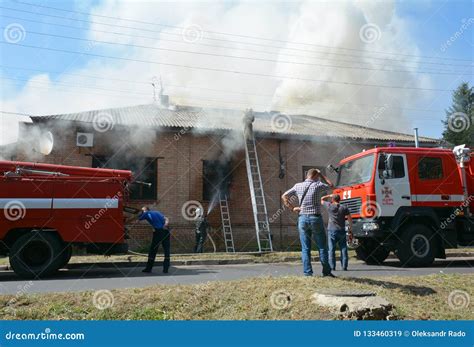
(387, 196)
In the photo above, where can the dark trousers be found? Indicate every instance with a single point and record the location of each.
(200, 239)
(338, 237)
(159, 236)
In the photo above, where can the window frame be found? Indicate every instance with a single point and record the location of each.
(206, 183)
(381, 160)
(428, 178)
(153, 173)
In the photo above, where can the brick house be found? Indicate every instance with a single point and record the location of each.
(186, 152)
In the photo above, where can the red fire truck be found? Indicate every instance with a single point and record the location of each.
(48, 208)
(414, 201)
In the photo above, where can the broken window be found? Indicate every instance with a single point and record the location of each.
(216, 178)
(144, 169)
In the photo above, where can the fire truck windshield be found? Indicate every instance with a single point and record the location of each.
(356, 171)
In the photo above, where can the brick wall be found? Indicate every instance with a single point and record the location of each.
(180, 179)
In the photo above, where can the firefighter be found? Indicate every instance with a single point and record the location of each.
(248, 119)
(202, 225)
(161, 234)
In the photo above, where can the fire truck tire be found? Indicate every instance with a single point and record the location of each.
(372, 252)
(36, 254)
(66, 255)
(416, 246)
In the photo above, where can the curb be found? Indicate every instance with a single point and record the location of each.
(128, 264)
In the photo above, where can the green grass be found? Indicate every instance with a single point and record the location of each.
(421, 297)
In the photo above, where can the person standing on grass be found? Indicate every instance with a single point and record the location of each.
(310, 222)
(161, 234)
(337, 229)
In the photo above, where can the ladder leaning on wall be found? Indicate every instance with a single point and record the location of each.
(226, 226)
(262, 226)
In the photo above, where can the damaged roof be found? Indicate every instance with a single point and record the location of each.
(208, 119)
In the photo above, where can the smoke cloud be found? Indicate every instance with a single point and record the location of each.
(335, 24)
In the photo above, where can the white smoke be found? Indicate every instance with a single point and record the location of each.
(364, 27)
(336, 24)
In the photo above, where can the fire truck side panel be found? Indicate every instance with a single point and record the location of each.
(89, 211)
(470, 183)
(83, 205)
(439, 191)
(25, 203)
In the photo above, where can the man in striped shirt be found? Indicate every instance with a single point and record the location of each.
(310, 222)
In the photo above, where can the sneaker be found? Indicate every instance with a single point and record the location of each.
(165, 271)
(146, 270)
(329, 275)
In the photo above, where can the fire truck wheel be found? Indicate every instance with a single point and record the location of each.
(416, 247)
(372, 252)
(66, 255)
(36, 254)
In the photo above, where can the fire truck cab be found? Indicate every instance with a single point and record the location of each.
(48, 208)
(414, 201)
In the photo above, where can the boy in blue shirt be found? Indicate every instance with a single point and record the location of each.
(161, 235)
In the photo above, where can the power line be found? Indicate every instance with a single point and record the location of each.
(193, 87)
(237, 57)
(220, 46)
(233, 34)
(237, 72)
(225, 40)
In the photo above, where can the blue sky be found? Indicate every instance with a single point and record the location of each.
(430, 25)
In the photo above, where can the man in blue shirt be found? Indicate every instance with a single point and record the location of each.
(161, 235)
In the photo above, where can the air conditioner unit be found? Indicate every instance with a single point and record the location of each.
(84, 140)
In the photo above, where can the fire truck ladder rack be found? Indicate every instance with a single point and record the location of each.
(226, 226)
(262, 226)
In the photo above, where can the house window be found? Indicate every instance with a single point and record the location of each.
(307, 168)
(216, 177)
(143, 169)
(430, 168)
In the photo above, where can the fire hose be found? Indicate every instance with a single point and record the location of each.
(133, 210)
(146, 255)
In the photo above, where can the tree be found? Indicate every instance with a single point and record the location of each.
(458, 125)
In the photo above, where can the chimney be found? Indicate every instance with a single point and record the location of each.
(164, 100)
(417, 144)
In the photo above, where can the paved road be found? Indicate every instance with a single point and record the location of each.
(93, 278)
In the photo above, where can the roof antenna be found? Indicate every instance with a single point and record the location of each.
(154, 92)
(161, 88)
(154, 80)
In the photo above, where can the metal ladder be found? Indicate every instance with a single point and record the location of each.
(226, 226)
(262, 226)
